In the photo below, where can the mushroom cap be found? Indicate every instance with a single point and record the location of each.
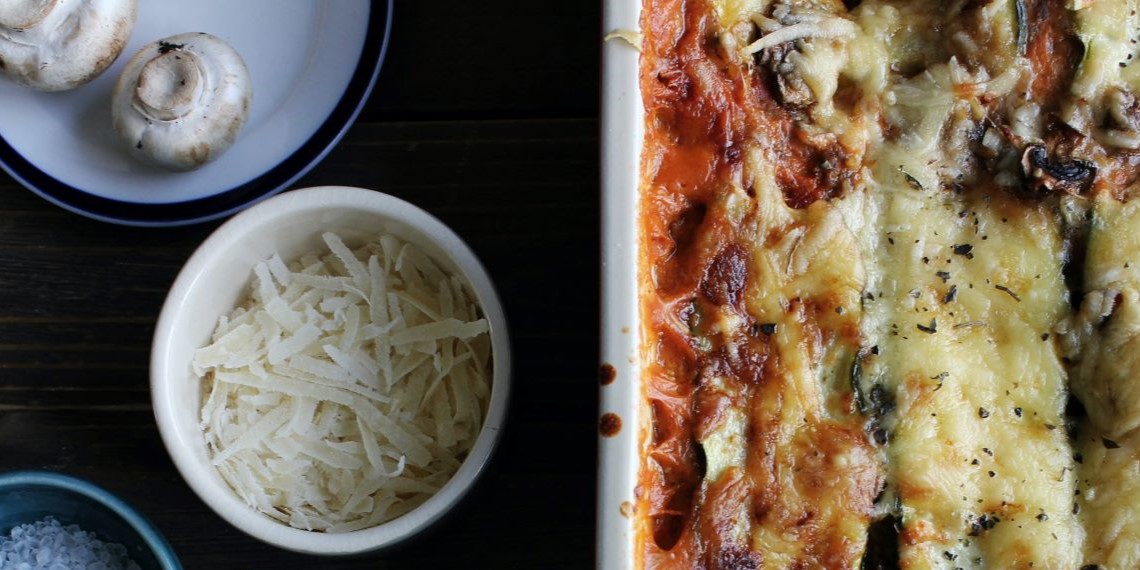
(181, 101)
(54, 45)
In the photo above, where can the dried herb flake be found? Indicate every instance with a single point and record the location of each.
(950, 295)
(1007, 291)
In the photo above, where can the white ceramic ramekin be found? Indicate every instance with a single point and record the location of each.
(214, 280)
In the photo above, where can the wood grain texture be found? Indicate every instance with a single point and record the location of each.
(79, 299)
(503, 59)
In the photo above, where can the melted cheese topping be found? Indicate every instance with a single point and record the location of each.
(856, 229)
(977, 438)
(1105, 336)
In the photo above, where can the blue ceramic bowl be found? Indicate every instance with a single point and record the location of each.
(29, 496)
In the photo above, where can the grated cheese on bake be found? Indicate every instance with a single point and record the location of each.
(348, 387)
(822, 28)
(630, 37)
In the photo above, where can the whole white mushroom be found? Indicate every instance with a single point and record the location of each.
(181, 101)
(54, 45)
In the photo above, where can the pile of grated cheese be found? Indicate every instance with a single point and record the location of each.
(348, 388)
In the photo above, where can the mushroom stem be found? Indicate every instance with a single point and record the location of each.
(180, 101)
(169, 86)
(24, 14)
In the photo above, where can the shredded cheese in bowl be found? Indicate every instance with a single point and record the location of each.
(349, 386)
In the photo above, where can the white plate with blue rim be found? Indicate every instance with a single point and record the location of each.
(313, 64)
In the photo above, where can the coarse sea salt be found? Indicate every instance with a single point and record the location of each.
(48, 545)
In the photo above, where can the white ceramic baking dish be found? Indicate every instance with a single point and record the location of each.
(621, 137)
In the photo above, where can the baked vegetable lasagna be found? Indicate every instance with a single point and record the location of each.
(890, 284)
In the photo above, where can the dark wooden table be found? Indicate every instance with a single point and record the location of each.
(485, 114)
